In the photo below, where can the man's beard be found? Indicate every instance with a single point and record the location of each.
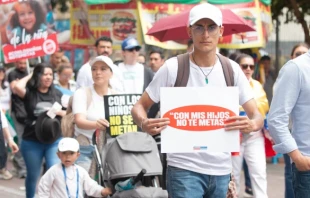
(22, 69)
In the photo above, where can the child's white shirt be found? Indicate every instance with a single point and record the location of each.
(53, 185)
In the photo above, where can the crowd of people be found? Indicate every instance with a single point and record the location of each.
(27, 95)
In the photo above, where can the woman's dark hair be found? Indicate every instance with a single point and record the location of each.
(234, 56)
(35, 81)
(3, 81)
(37, 9)
(242, 56)
(63, 67)
(299, 45)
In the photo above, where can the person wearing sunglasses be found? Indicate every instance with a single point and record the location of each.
(136, 77)
(253, 144)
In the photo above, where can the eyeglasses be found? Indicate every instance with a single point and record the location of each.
(299, 53)
(245, 66)
(133, 49)
(200, 30)
(65, 76)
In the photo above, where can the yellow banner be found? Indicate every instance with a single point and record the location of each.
(152, 12)
(117, 21)
(252, 13)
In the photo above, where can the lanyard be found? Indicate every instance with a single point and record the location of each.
(77, 181)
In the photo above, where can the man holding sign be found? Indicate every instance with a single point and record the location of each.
(199, 174)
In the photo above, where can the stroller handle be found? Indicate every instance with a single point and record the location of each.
(139, 177)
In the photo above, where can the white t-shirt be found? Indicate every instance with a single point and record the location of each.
(5, 96)
(210, 163)
(94, 112)
(53, 184)
(4, 120)
(85, 78)
(133, 77)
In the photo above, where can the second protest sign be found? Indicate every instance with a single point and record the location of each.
(118, 113)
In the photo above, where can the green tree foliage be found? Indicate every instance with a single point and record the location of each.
(296, 12)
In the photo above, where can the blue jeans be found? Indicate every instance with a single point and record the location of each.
(289, 192)
(86, 156)
(33, 153)
(184, 184)
(301, 183)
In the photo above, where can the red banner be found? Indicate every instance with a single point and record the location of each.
(35, 48)
(7, 1)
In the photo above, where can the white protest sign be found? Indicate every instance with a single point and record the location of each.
(197, 117)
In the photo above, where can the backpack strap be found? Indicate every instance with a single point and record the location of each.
(69, 107)
(183, 70)
(227, 70)
(88, 95)
(88, 99)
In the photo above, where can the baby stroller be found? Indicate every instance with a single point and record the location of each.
(129, 154)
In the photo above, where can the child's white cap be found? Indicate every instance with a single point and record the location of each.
(68, 144)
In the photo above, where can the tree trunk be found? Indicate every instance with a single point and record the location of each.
(277, 62)
(301, 20)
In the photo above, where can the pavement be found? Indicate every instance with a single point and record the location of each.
(275, 177)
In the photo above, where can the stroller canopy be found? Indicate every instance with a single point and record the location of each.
(127, 154)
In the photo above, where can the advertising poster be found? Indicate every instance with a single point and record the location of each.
(265, 13)
(117, 21)
(118, 113)
(152, 12)
(24, 32)
(197, 119)
(252, 14)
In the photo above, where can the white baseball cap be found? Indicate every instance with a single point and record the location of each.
(104, 59)
(205, 11)
(68, 144)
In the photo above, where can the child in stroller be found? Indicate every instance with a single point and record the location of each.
(125, 156)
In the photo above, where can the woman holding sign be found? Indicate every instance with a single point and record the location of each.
(88, 106)
(253, 144)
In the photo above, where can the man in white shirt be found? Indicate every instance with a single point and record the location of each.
(199, 174)
(84, 78)
(135, 76)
